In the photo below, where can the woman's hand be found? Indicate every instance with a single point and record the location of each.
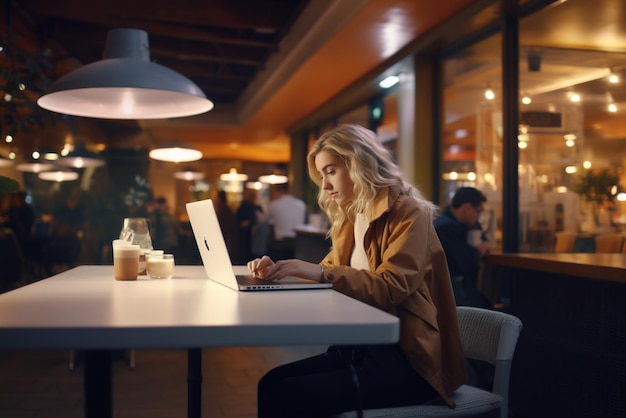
(259, 266)
(267, 269)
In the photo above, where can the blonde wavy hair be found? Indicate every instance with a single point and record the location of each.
(370, 167)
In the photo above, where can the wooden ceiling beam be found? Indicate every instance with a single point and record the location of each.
(268, 15)
(71, 31)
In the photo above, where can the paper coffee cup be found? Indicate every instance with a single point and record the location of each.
(125, 260)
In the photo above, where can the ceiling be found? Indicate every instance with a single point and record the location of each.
(266, 64)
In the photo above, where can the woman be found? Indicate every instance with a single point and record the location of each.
(385, 253)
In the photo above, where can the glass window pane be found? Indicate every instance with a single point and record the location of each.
(472, 132)
(572, 134)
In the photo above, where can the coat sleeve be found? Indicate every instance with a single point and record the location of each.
(398, 250)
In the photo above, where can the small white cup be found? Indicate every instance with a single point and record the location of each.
(160, 266)
(474, 237)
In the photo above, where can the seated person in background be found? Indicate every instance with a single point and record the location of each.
(453, 227)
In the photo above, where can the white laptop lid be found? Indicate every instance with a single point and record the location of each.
(210, 242)
(215, 257)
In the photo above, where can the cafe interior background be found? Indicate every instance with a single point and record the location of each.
(281, 72)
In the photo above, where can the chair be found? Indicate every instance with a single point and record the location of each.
(486, 335)
(565, 242)
(609, 243)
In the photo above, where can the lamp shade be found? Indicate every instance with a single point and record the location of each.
(4, 162)
(175, 153)
(80, 158)
(125, 85)
(58, 175)
(232, 175)
(34, 167)
(189, 175)
(273, 179)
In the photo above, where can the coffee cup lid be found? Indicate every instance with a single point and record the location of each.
(124, 243)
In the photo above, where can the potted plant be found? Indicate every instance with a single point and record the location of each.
(599, 188)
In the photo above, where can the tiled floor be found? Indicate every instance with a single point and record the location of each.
(38, 384)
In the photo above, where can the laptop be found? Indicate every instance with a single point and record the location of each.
(216, 260)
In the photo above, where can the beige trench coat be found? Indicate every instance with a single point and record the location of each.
(408, 278)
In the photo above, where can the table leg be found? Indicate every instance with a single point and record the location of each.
(194, 382)
(98, 383)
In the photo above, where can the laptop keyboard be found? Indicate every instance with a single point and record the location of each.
(248, 279)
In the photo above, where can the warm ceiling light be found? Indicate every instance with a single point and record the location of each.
(189, 175)
(389, 81)
(256, 185)
(125, 85)
(34, 167)
(612, 107)
(50, 156)
(232, 175)
(58, 176)
(489, 94)
(80, 157)
(175, 154)
(614, 78)
(273, 179)
(526, 99)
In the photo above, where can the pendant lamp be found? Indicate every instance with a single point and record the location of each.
(80, 157)
(58, 175)
(273, 179)
(188, 174)
(233, 175)
(125, 85)
(175, 153)
(34, 167)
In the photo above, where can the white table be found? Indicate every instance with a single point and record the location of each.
(86, 309)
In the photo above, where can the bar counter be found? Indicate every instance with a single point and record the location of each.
(569, 361)
(589, 265)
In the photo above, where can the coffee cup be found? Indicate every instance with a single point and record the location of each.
(125, 260)
(474, 237)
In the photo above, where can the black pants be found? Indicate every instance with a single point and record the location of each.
(322, 385)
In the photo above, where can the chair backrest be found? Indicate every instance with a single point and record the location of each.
(565, 242)
(609, 243)
(491, 336)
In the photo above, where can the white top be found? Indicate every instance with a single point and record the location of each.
(85, 308)
(285, 213)
(358, 259)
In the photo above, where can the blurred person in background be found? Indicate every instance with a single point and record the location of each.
(454, 226)
(284, 213)
(247, 213)
(163, 226)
